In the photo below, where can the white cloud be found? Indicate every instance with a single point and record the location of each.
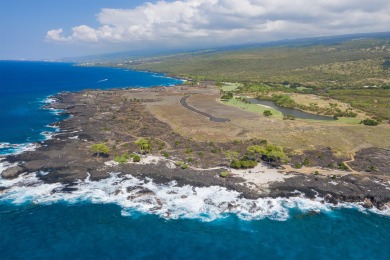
(217, 21)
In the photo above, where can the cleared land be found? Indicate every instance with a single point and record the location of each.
(299, 135)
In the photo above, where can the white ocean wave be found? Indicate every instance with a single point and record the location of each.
(166, 200)
(17, 148)
(48, 100)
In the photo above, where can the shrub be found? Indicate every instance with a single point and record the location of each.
(166, 154)
(306, 162)
(243, 164)
(184, 166)
(370, 122)
(246, 164)
(100, 149)
(288, 117)
(267, 113)
(200, 154)
(224, 174)
(122, 159)
(189, 150)
(228, 95)
(372, 168)
(235, 164)
(298, 166)
(136, 158)
(178, 163)
(316, 173)
(343, 167)
(144, 144)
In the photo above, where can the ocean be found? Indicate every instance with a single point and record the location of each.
(98, 222)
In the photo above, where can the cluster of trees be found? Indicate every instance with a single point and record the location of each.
(370, 122)
(227, 95)
(270, 153)
(144, 144)
(283, 100)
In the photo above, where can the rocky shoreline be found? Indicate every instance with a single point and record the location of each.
(116, 118)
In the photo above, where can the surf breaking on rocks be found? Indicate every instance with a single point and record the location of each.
(165, 200)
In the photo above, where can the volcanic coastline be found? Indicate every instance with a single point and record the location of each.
(119, 117)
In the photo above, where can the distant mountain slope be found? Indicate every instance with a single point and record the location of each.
(142, 54)
(355, 60)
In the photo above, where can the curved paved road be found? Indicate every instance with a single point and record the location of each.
(183, 101)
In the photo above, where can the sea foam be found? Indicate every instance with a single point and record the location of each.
(165, 200)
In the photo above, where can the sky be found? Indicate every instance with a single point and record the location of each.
(49, 29)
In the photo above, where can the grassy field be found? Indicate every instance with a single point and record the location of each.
(373, 101)
(229, 86)
(342, 71)
(353, 63)
(253, 108)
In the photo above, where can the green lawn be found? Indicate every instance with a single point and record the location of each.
(229, 86)
(253, 108)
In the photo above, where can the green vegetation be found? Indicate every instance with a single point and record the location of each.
(375, 101)
(252, 107)
(283, 100)
(370, 122)
(353, 71)
(298, 166)
(136, 157)
(227, 95)
(243, 164)
(306, 162)
(224, 174)
(267, 152)
(144, 144)
(165, 154)
(288, 117)
(267, 113)
(342, 64)
(343, 166)
(228, 86)
(181, 164)
(122, 158)
(100, 149)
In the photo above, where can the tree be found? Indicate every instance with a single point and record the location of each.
(370, 122)
(144, 144)
(100, 149)
(267, 113)
(276, 154)
(235, 164)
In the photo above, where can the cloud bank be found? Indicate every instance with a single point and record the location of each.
(219, 22)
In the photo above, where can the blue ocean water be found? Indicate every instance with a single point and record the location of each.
(24, 87)
(88, 231)
(97, 222)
